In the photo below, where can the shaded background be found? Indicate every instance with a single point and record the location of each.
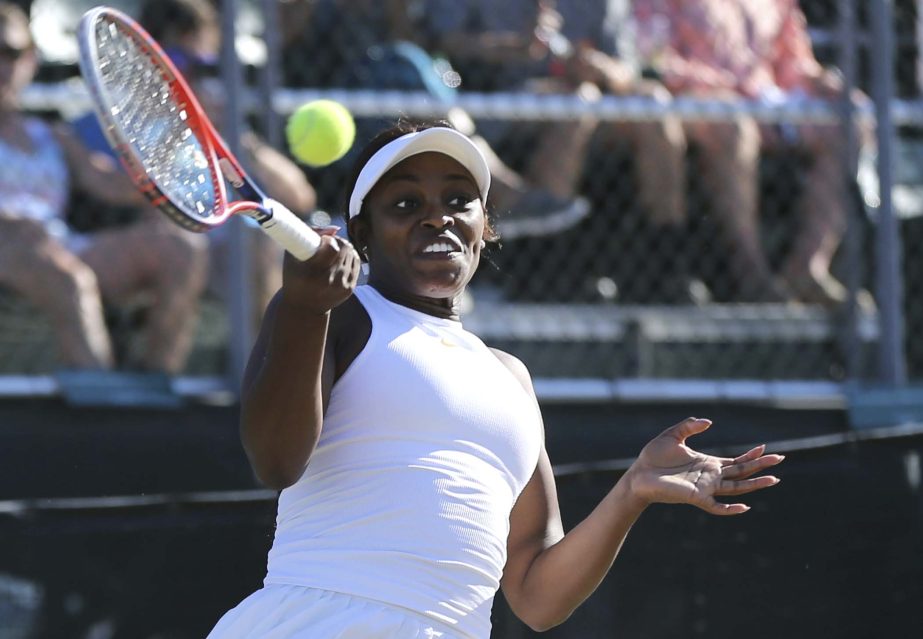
(835, 550)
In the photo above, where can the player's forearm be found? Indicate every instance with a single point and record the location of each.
(282, 407)
(565, 574)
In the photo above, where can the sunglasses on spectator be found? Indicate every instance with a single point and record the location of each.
(12, 53)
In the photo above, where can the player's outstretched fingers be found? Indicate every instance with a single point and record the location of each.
(711, 505)
(747, 468)
(753, 453)
(743, 486)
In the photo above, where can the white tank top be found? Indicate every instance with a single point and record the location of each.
(35, 183)
(427, 442)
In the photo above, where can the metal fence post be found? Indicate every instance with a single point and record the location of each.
(892, 369)
(846, 60)
(269, 77)
(239, 295)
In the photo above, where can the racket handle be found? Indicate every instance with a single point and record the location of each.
(290, 231)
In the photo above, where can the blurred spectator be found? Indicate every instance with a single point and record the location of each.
(189, 31)
(370, 44)
(516, 46)
(336, 43)
(605, 53)
(756, 50)
(67, 274)
(584, 48)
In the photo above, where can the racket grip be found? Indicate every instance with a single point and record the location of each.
(290, 231)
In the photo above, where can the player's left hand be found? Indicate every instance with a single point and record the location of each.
(668, 471)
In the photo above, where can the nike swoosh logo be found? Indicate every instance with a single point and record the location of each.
(449, 343)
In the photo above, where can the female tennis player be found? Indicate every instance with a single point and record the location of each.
(410, 458)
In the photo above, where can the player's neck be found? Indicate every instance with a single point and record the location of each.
(445, 308)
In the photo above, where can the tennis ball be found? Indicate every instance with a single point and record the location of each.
(320, 132)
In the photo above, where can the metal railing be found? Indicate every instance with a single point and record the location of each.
(886, 110)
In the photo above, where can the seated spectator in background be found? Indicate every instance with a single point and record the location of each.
(605, 53)
(371, 44)
(586, 48)
(189, 31)
(756, 50)
(68, 275)
(518, 46)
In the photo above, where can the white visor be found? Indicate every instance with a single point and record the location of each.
(439, 140)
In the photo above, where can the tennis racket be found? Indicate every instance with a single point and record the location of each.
(164, 139)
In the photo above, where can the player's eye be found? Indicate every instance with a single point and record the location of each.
(406, 203)
(462, 202)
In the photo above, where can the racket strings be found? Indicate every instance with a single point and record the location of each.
(144, 105)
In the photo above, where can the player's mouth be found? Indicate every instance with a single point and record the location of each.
(446, 245)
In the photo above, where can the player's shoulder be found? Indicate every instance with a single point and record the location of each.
(516, 366)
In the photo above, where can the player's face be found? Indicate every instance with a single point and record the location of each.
(426, 226)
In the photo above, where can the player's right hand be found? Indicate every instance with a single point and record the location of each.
(325, 280)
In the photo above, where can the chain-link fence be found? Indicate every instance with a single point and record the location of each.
(654, 225)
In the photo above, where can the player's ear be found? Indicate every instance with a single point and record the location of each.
(358, 231)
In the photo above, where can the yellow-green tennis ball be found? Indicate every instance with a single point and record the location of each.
(320, 132)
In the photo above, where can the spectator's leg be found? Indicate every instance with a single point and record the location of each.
(560, 154)
(660, 166)
(527, 207)
(506, 185)
(729, 168)
(660, 161)
(155, 257)
(57, 282)
(822, 219)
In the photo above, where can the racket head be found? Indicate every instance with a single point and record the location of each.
(152, 120)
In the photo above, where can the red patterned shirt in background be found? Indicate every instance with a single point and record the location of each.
(753, 48)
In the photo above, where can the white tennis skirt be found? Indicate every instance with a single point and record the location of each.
(295, 612)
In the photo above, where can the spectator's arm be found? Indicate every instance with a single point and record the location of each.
(686, 75)
(609, 73)
(282, 179)
(492, 47)
(447, 23)
(400, 25)
(294, 16)
(661, 33)
(794, 63)
(97, 174)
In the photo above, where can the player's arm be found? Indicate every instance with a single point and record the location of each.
(549, 574)
(287, 380)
